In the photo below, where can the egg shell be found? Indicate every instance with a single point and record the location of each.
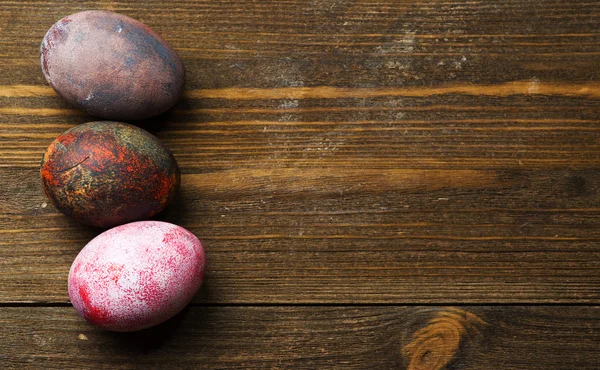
(109, 173)
(137, 275)
(111, 66)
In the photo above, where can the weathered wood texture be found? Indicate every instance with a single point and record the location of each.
(430, 151)
(281, 238)
(312, 337)
(337, 153)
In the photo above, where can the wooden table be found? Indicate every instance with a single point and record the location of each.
(378, 184)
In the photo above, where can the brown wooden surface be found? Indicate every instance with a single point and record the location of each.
(340, 160)
(313, 337)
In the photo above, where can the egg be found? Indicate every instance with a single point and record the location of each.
(111, 66)
(136, 275)
(109, 173)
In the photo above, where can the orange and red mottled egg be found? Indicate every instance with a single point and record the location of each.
(109, 173)
(136, 275)
(111, 66)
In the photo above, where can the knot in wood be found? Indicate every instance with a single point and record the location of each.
(435, 345)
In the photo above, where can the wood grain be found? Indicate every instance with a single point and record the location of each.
(347, 235)
(401, 152)
(310, 337)
(339, 158)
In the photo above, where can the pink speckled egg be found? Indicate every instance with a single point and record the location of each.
(136, 275)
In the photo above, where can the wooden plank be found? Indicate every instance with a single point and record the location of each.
(366, 236)
(310, 337)
(381, 133)
(352, 44)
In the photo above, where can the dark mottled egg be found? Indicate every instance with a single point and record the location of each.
(111, 66)
(109, 173)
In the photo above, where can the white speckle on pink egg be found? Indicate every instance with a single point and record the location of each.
(136, 275)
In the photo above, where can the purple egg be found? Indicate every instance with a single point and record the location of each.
(111, 66)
